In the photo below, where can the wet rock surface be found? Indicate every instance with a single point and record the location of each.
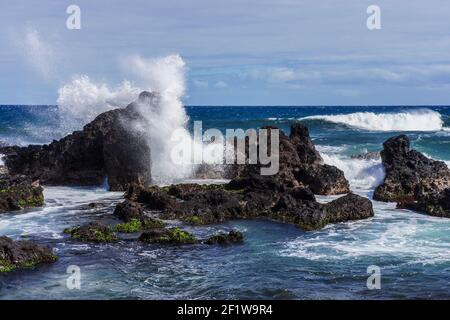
(413, 180)
(95, 232)
(222, 238)
(250, 197)
(22, 254)
(19, 192)
(367, 156)
(300, 164)
(174, 236)
(129, 210)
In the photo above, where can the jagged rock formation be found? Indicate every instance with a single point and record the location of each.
(300, 164)
(413, 180)
(106, 147)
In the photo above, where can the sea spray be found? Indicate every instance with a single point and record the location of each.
(166, 76)
(362, 174)
(81, 100)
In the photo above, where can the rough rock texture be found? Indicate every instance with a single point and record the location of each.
(22, 254)
(300, 164)
(106, 147)
(92, 232)
(413, 180)
(367, 156)
(167, 236)
(433, 203)
(18, 192)
(226, 238)
(249, 197)
(129, 210)
(136, 225)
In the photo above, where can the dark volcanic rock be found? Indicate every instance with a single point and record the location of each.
(311, 215)
(433, 203)
(412, 179)
(92, 232)
(129, 210)
(226, 238)
(300, 164)
(18, 192)
(349, 207)
(207, 204)
(106, 147)
(367, 156)
(167, 236)
(22, 254)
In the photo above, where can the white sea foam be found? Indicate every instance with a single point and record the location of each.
(362, 174)
(402, 233)
(414, 120)
(61, 210)
(1, 159)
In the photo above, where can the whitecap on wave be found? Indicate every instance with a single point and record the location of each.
(408, 120)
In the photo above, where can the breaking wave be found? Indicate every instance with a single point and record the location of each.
(415, 120)
(362, 174)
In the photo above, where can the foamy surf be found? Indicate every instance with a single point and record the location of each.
(414, 237)
(411, 120)
(363, 175)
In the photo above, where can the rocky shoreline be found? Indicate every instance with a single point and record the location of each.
(107, 149)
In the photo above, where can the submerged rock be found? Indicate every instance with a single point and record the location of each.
(22, 254)
(412, 179)
(108, 147)
(223, 238)
(168, 236)
(136, 225)
(92, 232)
(18, 192)
(367, 156)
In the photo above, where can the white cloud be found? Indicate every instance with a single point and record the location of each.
(221, 84)
(282, 75)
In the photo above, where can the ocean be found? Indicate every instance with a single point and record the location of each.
(277, 261)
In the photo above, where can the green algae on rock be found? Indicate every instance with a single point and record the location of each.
(22, 254)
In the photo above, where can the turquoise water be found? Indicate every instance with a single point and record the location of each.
(277, 261)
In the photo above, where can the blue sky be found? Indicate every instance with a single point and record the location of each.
(255, 52)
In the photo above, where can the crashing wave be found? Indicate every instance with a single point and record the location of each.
(414, 120)
(363, 174)
(81, 100)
